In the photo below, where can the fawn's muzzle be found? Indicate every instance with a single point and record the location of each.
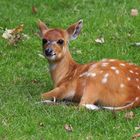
(48, 52)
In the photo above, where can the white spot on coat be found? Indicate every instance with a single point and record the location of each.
(117, 71)
(83, 74)
(136, 73)
(104, 64)
(122, 85)
(101, 71)
(105, 78)
(106, 75)
(128, 78)
(122, 64)
(137, 79)
(88, 74)
(93, 65)
(93, 74)
(131, 71)
(113, 68)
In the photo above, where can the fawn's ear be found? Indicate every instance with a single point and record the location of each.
(74, 30)
(42, 27)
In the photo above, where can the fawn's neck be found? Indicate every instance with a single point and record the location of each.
(59, 70)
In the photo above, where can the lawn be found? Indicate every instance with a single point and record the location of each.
(24, 74)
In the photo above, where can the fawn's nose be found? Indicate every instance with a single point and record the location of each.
(48, 52)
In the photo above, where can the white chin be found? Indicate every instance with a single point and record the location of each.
(52, 58)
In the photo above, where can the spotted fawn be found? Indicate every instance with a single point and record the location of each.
(110, 84)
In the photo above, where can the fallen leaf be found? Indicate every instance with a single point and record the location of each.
(134, 12)
(18, 29)
(68, 127)
(34, 81)
(34, 10)
(134, 137)
(7, 34)
(137, 128)
(25, 36)
(78, 51)
(100, 40)
(90, 137)
(41, 124)
(129, 115)
(14, 35)
(137, 44)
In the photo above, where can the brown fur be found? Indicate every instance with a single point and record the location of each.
(112, 83)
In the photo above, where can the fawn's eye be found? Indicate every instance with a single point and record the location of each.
(60, 42)
(44, 41)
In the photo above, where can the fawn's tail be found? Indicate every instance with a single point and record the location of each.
(131, 105)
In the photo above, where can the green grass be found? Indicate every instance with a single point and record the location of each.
(24, 75)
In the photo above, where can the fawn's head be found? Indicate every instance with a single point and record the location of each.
(55, 41)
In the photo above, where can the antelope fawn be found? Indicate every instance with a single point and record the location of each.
(110, 84)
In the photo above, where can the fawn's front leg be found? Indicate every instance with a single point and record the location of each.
(57, 93)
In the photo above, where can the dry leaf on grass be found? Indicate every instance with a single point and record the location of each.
(129, 115)
(100, 40)
(137, 44)
(137, 128)
(34, 81)
(78, 51)
(90, 137)
(136, 136)
(41, 124)
(68, 127)
(34, 9)
(134, 12)
(14, 35)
